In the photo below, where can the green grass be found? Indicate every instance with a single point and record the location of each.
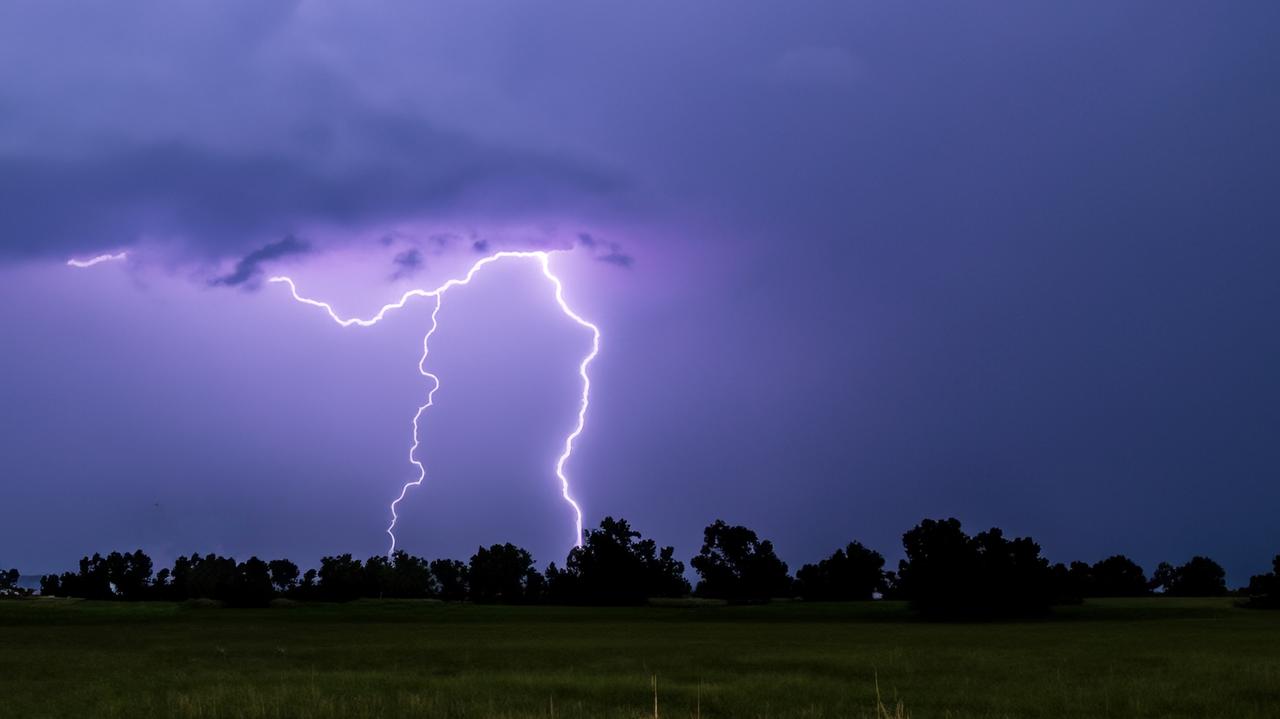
(1120, 658)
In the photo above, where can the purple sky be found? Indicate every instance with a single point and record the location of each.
(854, 266)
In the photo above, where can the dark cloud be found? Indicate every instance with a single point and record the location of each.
(220, 203)
(406, 262)
(605, 251)
(1042, 246)
(250, 266)
(616, 257)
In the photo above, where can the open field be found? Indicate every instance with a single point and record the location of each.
(1117, 658)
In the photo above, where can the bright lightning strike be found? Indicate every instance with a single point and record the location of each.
(544, 261)
(96, 260)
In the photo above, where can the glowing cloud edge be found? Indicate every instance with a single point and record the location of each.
(544, 260)
(96, 260)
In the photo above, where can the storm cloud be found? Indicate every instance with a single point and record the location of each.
(250, 266)
(1005, 261)
(222, 202)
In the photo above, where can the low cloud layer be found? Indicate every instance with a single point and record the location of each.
(605, 251)
(219, 203)
(250, 266)
(209, 130)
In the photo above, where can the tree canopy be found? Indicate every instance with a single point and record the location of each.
(735, 564)
(504, 574)
(852, 573)
(1199, 577)
(945, 573)
(615, 566)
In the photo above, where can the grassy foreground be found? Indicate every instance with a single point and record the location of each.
(1118, 658)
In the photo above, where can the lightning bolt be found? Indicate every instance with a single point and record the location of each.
(544, 260)
(95, 260)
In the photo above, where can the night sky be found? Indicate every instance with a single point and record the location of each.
(855, 264)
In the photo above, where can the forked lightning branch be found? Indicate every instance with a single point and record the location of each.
(544, 260)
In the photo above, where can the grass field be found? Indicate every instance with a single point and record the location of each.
(1118, 658)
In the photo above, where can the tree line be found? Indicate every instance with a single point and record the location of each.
(945, 572)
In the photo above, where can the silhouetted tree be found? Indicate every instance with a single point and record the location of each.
(615, 566)
(1199, 577)
(341, 578)
(1071, 583)
(284, 576)
(948, 573)
(129, 574)
(852, 573)
(1264, 589)
(1081, 580)
(504, 574)
(179, 576)
(9, 583)
(938, 572)
(377, 577)
(207, 577)
(1016, 572)
(1117, 576)
(252, 586)
(891, 585)
(309, 587)
(91, 582)
(50, 586)
(1066, 586)
(736, 564)
(450, 580)
(1162, 578)
(410, 577)
(161, 586)
(250, 583)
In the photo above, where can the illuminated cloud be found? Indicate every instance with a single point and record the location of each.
(97, 260)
